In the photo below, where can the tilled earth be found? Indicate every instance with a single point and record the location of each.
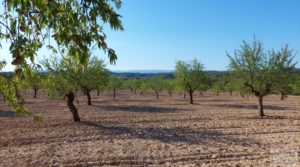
(139, 130)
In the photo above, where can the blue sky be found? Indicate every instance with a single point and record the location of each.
(159, 32)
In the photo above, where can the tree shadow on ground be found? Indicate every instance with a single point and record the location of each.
(251, 106)
(9, 114)
(171, 135)
(146, 109)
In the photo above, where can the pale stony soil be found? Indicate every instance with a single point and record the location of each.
(141, 131)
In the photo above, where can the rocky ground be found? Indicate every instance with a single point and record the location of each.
(141, 131)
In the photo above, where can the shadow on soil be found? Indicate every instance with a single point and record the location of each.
(251, 106)
(146, 109)
(171, 135)
(9, 114)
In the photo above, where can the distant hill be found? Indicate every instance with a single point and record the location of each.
(154, 73)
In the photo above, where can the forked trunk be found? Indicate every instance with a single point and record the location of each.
(88, 95)
(70, 101)
(260, 106)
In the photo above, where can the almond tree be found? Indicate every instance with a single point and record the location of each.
(190, 76)
(34, 80)
(63, 80)
(157, 84)
(92, 74)
(28, 25)
(260, 71)
(114, 84)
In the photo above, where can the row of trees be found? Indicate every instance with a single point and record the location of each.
(252, 72)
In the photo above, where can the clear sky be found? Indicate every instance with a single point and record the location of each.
(159, 32)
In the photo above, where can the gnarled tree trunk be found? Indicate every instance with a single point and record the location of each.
(70, 101)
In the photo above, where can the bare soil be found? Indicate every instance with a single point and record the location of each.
(139, 130)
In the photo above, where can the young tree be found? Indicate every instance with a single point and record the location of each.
(34, 80)
(190, 75)
(261, 72)
(157, 84)
(144, 86)
(114, 84)
(218, 86)
(170, 85)
(92, 74)
(133, 85)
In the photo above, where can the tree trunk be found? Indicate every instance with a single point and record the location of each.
(260, 106)
(184, 95)
(230, 92)
(73, 109)
(35, 93)
(25, 91)
(157, 94)
(114, 93)
(98, 92)
(242, 94)
(4, 98)
(282, 96)
(191, 97)
(88, 95)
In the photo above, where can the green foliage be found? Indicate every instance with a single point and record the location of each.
(93, 75)
(218, 86)
(191, 76)
(295, 86)
(63, 75)
(157, 84)
(73, 25)
(133, 84)
(262, 72)
(170, 86)
(38, 118)
(114, 83)
(144, 86)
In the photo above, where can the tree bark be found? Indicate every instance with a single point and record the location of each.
(35, 93)
(98, 92)
(282, 96)
(260, 106)
(191, 97)
(88, 95)
(4, 98)
(70, 101)
(157, 95)
(114, 93)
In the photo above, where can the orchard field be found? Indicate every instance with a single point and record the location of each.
(137, 130)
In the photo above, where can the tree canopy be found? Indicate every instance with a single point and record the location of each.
(261, 71)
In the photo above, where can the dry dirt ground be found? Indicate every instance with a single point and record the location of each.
(141, 131)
